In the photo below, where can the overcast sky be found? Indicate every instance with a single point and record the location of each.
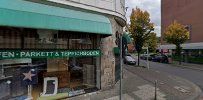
(152, 6)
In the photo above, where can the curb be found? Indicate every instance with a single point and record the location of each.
(175, 65)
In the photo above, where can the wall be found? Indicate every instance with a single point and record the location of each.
(186, 12)
(111, 7)
(108, 68)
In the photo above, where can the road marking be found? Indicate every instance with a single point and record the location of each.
(181, 89)
(158, 71)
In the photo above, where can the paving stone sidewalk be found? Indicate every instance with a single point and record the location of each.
(138, 84)
(189, 65)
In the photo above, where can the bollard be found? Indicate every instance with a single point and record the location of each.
(155, 94)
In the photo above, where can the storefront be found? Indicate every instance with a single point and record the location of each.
(191, 52)
(49, 52)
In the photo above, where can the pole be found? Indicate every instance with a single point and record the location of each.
(147, 57)
(2, 70)
(121, 69)
(155, 94)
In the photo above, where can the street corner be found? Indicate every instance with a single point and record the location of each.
(177, 87)
(172, 87)
(193, 91)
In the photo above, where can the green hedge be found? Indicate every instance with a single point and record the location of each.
(191, 59)
(198, 60)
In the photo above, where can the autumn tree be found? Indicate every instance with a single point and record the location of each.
(151, 42)
(140, 28)
(176, 34)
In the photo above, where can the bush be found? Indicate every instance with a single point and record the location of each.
(191, 59)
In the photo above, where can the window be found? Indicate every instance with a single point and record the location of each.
(71, 73)
(189, 28)
(10, 37)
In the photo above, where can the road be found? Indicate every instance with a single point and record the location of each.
(195, 76)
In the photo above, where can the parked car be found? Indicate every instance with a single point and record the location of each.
(143, 56)
(128, 59)
(150, 56)
(160, 58)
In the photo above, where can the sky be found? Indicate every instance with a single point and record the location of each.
(152, 6)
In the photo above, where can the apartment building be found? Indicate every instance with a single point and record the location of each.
(188, 13)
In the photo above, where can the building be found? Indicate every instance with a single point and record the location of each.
(188, 13)
(58, 48)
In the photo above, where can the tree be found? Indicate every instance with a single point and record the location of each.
(176, 34)
(140, 28)
(151, 42)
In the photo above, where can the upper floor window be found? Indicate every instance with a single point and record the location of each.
(189, 28)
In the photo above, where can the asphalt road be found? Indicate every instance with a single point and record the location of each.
(195, 76)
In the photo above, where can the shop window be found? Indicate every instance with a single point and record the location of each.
(75, 41)
(40, 39)
(74, 75)
(46, 39)
(30, 38)
(10, 38)
(16, 38)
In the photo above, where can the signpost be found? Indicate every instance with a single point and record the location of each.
(147, 56)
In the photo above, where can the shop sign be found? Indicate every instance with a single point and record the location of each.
(10, 54)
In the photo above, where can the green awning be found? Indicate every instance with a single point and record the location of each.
(127, 37)
(21, 13)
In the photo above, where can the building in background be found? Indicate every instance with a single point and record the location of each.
(188, 13)
(59, 48)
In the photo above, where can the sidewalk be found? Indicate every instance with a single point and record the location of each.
(138, 84)
(189, 65)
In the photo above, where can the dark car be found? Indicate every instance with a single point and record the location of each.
(160, 58)
(144, 56)
(129, 60)
(153, 55)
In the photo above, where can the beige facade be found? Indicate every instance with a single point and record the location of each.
(110, 7)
